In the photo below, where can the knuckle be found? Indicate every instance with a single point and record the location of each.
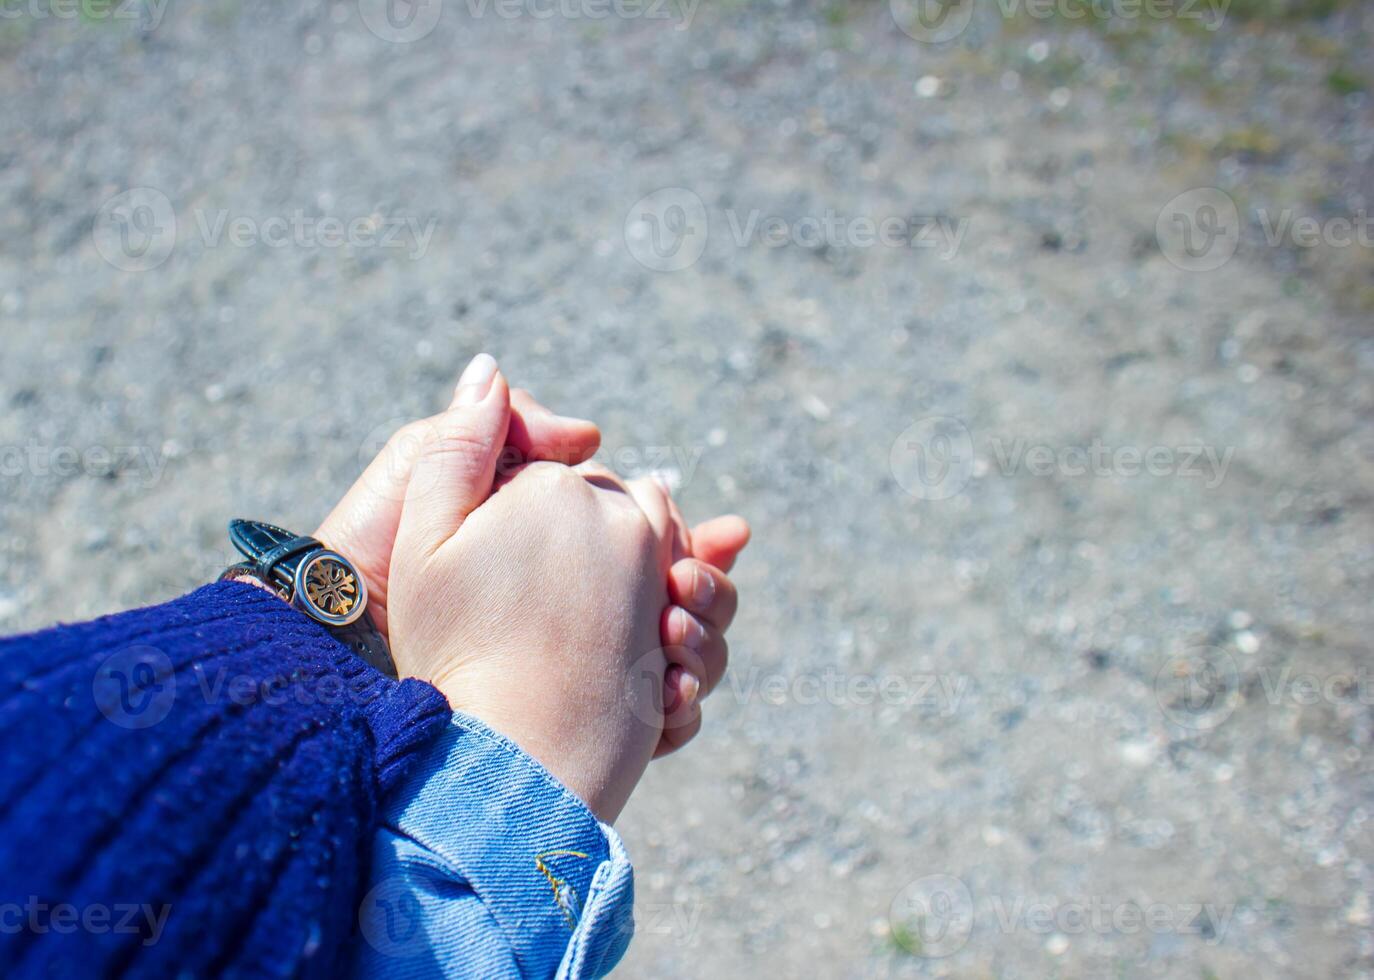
(556, 477)
(410, 437)
(458, 440)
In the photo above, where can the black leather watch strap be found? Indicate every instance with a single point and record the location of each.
(274, 555)
(364, 639)
(273, 551)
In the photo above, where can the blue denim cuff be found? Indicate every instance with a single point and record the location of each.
(478, 818)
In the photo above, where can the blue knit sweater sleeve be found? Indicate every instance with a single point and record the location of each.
(193, 789)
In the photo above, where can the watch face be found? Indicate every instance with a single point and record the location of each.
(330, 589)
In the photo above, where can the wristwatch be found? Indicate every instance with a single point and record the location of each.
(319, 582)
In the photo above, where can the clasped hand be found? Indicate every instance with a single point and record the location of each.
(569, 609)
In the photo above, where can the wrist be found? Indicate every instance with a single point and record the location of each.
(580, 756)
(240, 574)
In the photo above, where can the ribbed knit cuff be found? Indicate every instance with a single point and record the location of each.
(220, 758)
(404, 722)
(402, 715)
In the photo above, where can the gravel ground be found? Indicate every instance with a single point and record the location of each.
(1052, 659)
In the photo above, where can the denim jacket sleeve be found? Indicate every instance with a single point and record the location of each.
(484, 865)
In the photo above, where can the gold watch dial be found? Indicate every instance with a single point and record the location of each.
(332, 587)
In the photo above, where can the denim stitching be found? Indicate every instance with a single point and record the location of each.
(561, 889)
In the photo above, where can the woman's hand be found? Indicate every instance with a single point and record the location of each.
(538, 609)
(363, 524)
(693, 628)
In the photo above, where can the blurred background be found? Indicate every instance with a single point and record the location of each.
(1032, 336)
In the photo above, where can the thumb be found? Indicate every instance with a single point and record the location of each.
(455, 467)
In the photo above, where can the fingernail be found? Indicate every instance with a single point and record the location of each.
(703, 589)
(664, 479)
(575, 419)
(687, 628)
(476, 380)
(671, 698)
(693, 687)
